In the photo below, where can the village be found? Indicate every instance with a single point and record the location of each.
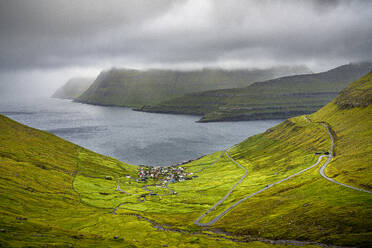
(168, 175)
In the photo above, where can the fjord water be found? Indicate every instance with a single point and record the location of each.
(130, 136)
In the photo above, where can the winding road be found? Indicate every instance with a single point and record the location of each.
(218, 217)
(197, 222)
(321, 171)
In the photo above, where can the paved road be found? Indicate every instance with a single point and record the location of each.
(321, 170)
(197, 222)
(218, 217)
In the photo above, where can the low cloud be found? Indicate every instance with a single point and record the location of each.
(48, 35)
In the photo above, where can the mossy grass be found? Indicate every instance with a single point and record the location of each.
(51, 195)
(56, 193)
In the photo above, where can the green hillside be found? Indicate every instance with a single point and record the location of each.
(273, 99)
(73, 88)
(53, 192)
(311, 206)
(125, 87)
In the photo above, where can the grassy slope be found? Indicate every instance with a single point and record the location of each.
(309, 206)
(306, 207)
(124, 87)
(274, 99)
(350, 116)
(73, 88)
(58, 186)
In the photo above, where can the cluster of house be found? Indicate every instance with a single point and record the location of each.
(166, 174)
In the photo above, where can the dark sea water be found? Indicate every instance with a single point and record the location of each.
(130, 136)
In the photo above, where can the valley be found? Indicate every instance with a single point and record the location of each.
(186, 124)
(268, 188)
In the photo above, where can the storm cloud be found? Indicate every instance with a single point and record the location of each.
(44, 34)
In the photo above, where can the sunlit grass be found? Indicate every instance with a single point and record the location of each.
(67, 193)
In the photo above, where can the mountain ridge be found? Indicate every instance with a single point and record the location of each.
(53, 192)
(278, 98)
(130, 87)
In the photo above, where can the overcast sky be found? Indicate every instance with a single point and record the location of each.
(50, 41)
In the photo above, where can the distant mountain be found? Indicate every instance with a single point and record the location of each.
(308, 205)
(273, 99)
(73, 88)
(126, 87)
(55, 193)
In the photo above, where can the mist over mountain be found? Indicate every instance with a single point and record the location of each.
(126, 87)
(306, 181)
(73, 88)
(70, 38)
(273, 99)
(294, 172)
